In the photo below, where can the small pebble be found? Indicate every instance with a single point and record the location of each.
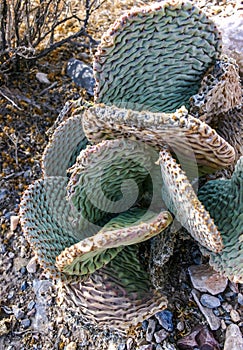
(150, 330)
(10, 294)
(31, 304)
(235, 317)
(24, 286)
(210, 301)
(11, 255)
(240, 299)
(18, 313)
(160, 336)
(129, 343)
(144, 325)
(31, 266)
(14, 220)
(2, 249)
(23, 270)
(122, 346)
(165, 320)
(71, 346)
(180, 326)
(25, 323)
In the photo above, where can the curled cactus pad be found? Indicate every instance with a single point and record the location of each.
(187, 137)
(224, 201)
(77, 226)
(153, 58)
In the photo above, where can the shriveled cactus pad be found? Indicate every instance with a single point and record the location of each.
(224, 201)
(181, 199)
(186, 136)
(153, 58)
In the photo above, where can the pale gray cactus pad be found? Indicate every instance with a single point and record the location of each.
(153, 58)
(224, 201)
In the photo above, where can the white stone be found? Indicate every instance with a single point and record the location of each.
(233, 338)
(14, 220)
(71, 346)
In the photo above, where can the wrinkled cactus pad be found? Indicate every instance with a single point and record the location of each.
(117, 296)
(186, 136)
(92, 253)
(224, 201)
(182, 201)
(109, 178)
(153, 58)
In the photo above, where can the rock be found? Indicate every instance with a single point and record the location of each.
(19, 263)
(160, 335)
(180, 326)
(25, 323)
(150, 330)
(210, 301)
(200, 338)
(129, 343)
(42, 78)
(205, 279)
(146, 347)
(235, 317)
(165, 320)
(206, 340)
(81, 74)
(232, 34)
(5, 325)
(14, 220)
(71, 346)
(240, 299)
(18, 313)
(31, 305)
(212, 319)
(233, 338)
(31, 266)
(122, 346)
(24, 286)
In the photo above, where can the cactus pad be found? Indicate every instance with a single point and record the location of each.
(153, 58)
(224, 201)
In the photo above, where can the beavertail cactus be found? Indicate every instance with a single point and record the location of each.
(102, 186)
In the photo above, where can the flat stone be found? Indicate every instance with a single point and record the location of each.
(25, 323)
(210, 301)
(205, 279)
(233, 338)
(213, 321)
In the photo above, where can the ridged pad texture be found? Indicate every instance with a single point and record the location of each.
(108, 178)
(64, 146)
(182, 201)
(224, 201)
(116, 296)
(153, 58)
(185, 135)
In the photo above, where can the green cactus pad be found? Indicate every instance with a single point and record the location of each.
(186, 136)
(108, 178)
(182, 201)
(94, 252)
(48, 220)
(154, 57)
(66, 143)
(118, 296)
(224, 201)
